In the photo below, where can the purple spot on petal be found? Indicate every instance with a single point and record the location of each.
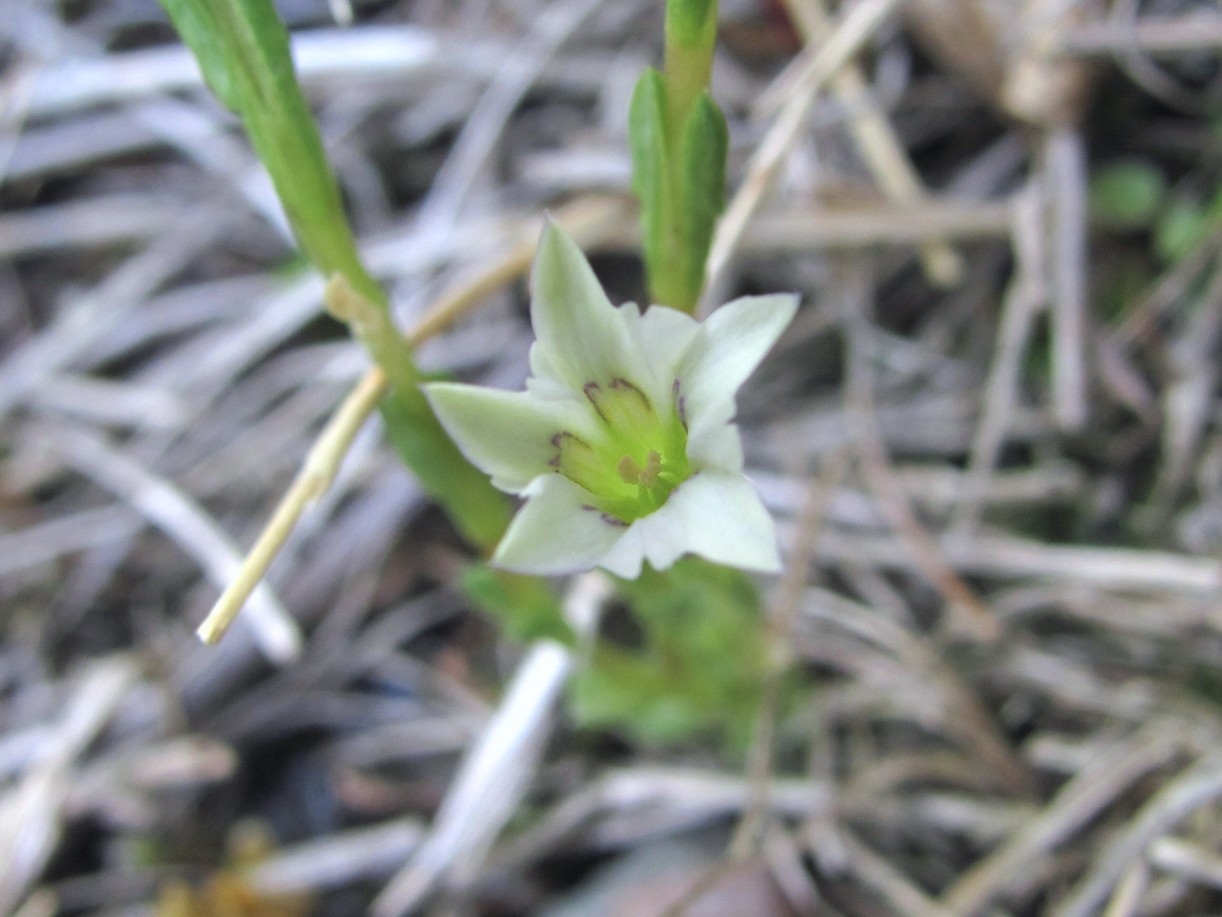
(621, 384)
(592, 391)
(613, 522)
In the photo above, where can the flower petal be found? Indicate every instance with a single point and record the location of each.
(556, 531)
(661, 338)
(718, 516)
(505, 434)
(736, 338)
(726, 522)
(581, 336)
(714, 444)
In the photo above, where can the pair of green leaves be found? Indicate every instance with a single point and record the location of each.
(679, 145)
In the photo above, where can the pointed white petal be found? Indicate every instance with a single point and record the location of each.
(505, 434)
(714, 444)
(624, 558)
(659, 538)
(544, 381)
(543, 373)
(736, 337)
(581, 336)
(717, 516)
(556, 531)
(660, 339)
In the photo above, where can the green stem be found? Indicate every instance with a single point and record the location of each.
(243, 50)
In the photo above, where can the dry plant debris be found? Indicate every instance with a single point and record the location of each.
(999, 406)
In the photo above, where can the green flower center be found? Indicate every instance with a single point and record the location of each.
(638, 457)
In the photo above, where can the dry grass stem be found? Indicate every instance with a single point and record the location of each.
(880, 146)
(497, 770)
(846, 39)
(751, 830)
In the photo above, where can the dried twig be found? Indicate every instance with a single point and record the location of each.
(858, 25)
(497, 770)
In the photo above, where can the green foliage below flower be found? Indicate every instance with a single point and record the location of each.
(523, 605)
(702, 665)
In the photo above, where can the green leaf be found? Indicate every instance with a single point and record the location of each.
(653, 184)
(702, 665)
(691, 36)
(1128, 192)
(702, 197)
(243, 51)
(200, 30)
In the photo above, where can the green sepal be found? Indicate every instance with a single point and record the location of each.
(702, 194)
(524, 605)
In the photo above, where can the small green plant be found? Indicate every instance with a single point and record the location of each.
(1185, 223)
(623, 444)
(700, 665)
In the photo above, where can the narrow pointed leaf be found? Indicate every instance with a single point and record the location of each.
(653, 184)
(243, 51)
(702, 165)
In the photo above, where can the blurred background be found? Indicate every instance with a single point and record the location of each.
(992, 441)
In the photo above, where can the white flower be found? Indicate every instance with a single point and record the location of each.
(623, 442)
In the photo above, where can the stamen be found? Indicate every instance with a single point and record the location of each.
(648, 476)
(629, 471)
(622, 464)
